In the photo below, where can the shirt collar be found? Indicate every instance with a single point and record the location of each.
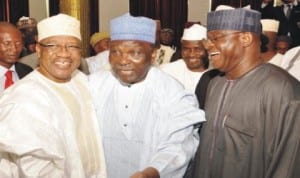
(3, 69)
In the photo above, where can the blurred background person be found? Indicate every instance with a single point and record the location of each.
(282, 44)
(100, 44)
(11, 45)
(166, 49)
(288, 15)
(270, 29)
(194, 62)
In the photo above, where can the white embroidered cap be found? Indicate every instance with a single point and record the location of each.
(60, 24)
(195, 32)
(270, 25)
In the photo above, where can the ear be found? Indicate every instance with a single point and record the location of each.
(153, 55)
(246, 39)
(38, 50)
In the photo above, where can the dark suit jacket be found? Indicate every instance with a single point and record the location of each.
(291, 25)
(22, 69)
(267, 12)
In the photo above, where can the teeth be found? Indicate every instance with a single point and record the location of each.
(63, 63)
(214, 53)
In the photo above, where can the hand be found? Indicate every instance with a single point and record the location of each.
(149, 172)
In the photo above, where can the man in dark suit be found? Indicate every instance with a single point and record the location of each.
(288, 14)
(267, 9)
(11, 45)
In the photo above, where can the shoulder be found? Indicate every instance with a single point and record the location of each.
(24, 90)
(22, 66)
(162, 82)
(100, 79)
(173, 66)
(275, 80)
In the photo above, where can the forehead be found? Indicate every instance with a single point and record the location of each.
(214, 33)
(8, 30)
(61, 39)
(129, 43)
(191, 42)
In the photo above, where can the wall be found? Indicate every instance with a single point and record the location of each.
(38, 9)
(198, 10)
(109, 9)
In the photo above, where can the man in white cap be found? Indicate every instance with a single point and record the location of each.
(147, 119)
(270, 29)
(52, 132)
(252, 111)
(194, 62)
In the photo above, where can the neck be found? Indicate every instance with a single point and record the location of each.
(243, 69)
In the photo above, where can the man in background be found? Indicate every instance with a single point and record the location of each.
(288, 15)
(194, 62)
(269, 29)
(11, 45)
(166, 50)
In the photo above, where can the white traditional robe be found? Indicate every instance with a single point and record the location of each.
(148, 124)
(276, 60)
(291, 62)
(179, 71)
(49, 129)
(98, 62)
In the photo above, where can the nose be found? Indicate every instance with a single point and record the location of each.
(124, 59)
(63, 51)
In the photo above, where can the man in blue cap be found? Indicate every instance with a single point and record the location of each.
(147, 118)
(253, 111)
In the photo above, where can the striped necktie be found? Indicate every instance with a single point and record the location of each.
(288, 12)
(9, 79)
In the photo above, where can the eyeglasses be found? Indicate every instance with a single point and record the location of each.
(58, 47)
(215, 39)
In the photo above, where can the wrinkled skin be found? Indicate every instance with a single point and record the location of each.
(130, 60)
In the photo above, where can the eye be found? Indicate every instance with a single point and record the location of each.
(73, 47)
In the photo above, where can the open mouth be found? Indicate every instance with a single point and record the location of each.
(213, 54)
(63, 63)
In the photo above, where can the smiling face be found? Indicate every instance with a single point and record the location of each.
(224, 49)
(11, 44)
(233, 52)
(194, 55)
(59, 57)
(130, 60)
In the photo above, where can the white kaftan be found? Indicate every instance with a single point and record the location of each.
(179, 71)
(98, 62)
(49, 129)
(148, 124)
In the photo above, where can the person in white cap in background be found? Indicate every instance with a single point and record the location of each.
(194, 62)
(269, 29)
(100, 43)
(147, 120)
(291, 62)
(52, 132)
(252, 111)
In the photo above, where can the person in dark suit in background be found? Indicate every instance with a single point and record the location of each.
(288, 14)
(267, 9)
(11, 45)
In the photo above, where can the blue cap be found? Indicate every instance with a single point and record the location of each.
(240, 19)
(127, 27)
